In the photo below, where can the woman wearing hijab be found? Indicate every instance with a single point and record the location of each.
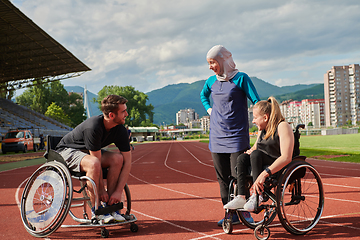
(229, 124)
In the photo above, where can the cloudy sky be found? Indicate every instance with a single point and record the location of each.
(152, 43)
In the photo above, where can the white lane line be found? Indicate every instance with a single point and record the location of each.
(175, 191)
(191, 175)
(205, 149)
(341, 200)
(331, 161)
(147, 153)
(208, 165)
(337, 216)
(176, 225)
(178, 192)
(17, 194)
(337, 168)
(341, 186)
(340, 176)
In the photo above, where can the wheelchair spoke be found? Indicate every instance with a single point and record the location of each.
(44, 203)
(301, 207)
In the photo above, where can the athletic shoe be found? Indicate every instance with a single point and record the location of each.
(235, 220)
(106, 217)
(237, 203)
(118, 217)
(247, 216)
(250, 204)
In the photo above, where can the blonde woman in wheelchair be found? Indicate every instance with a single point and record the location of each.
(273, 148)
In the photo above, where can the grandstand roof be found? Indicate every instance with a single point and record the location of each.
(27, 52)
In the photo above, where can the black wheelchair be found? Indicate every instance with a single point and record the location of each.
(49, 195)
(295, 194)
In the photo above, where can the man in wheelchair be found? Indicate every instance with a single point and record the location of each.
(82, 151)
(273, 147)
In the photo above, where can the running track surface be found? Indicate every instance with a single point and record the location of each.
(175, 195)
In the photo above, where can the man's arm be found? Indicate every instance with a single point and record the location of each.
(124, 174)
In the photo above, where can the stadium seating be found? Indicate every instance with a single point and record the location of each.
(14, 116)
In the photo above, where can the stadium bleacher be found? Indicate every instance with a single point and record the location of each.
(13, 116)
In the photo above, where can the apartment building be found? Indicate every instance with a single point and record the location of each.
(305, 112)
(205, 123)
(342, 95)
(312, 111)
(186, 116)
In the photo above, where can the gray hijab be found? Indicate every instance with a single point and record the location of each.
(225, 60)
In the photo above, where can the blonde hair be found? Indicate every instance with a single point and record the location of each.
(272, 109)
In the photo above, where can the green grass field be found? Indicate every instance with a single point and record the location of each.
(346, 144)
(323, 147)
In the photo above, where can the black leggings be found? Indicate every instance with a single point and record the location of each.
(256, 160)
(224, 164)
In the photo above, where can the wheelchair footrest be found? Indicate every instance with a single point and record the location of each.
(109, 209)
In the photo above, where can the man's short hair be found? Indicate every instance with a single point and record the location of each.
(111, 103)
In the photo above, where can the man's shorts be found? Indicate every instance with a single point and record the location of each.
(73, 157)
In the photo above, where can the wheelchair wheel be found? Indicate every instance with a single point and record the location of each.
(46, 199)
(251, 219)
(126, 199)
(262, 232)
(227, 226)
(300, 198)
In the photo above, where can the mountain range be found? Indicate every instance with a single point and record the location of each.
(167, 101)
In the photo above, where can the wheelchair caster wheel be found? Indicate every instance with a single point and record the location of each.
(94, 221)
(134, 227)
(227, 226)
(104, 233)
(262, 232)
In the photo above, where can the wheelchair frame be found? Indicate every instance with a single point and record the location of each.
(305, 190)
(48, 196)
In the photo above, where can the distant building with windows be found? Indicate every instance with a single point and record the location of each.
(304, 112)
(342, 95)
(205, 123)
(312, 111)
(186, 116)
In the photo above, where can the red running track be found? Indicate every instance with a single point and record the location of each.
(175, 195)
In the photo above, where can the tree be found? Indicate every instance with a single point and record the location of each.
(43, 94)
(25, 99)
(56, 112)
(140, 114)
(40, 101)
(76, 110)
(5, 92)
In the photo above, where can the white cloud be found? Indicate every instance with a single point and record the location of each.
(151, 43)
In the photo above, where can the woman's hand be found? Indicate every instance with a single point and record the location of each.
(249, 151)
(258, 185)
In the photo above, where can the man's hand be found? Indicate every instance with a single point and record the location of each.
(115, 198)
(103, 196)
